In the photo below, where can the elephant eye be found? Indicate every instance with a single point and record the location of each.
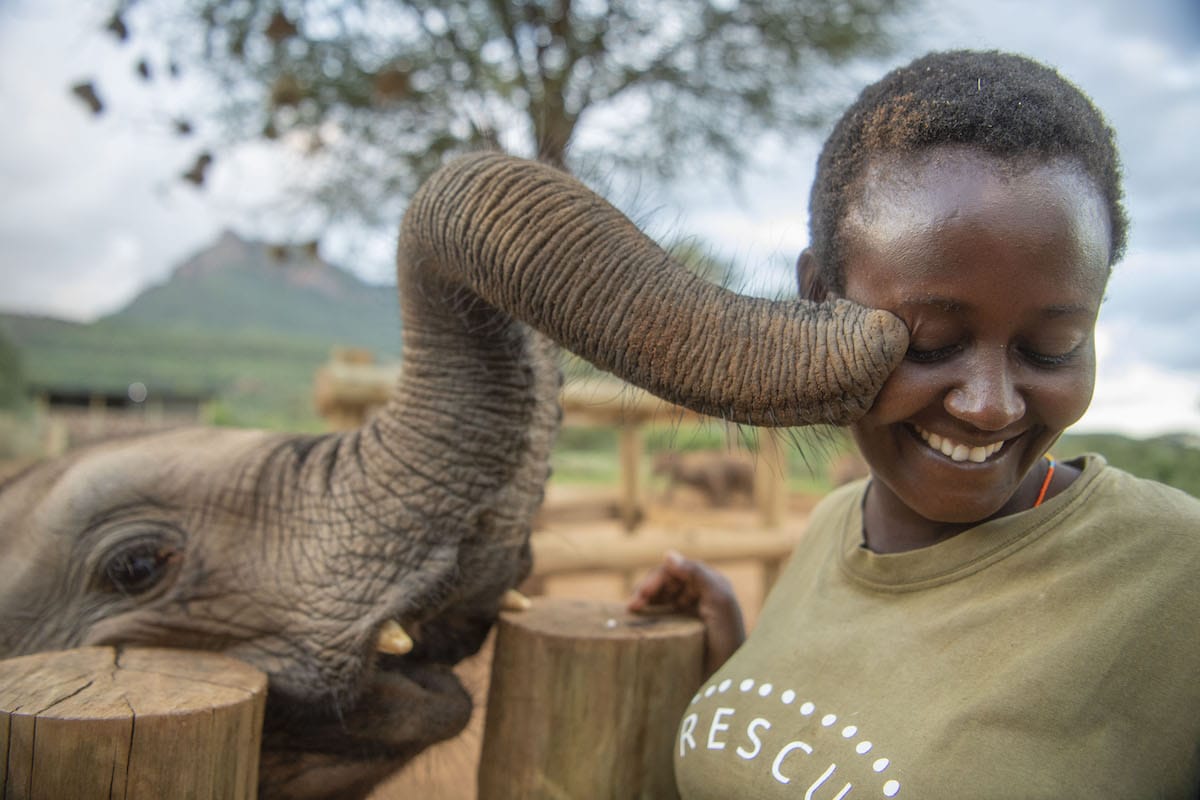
(139, 566)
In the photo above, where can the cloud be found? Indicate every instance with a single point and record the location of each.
(1151, 312)
(1143, 400)
(1155, 286)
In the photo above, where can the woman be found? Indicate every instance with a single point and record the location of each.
(976, 620)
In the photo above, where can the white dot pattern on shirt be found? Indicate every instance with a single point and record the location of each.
(890, 789)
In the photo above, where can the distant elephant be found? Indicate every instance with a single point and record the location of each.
(720, 476)
(301, 554)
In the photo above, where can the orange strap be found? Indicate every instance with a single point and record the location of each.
(1045, 483)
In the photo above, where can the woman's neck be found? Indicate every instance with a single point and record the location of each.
(891, 526)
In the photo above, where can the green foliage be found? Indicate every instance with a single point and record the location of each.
(1173, 460)
(662, 86)
(259, 377)
(262, 379)
(595, 467)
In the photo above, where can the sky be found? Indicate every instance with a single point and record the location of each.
(92, 211)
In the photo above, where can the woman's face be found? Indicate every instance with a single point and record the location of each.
(999, 274)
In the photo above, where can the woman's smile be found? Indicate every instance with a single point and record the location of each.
(958, 451)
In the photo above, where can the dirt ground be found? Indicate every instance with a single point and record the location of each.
(447, 772)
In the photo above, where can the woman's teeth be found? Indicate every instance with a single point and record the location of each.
(956, 451)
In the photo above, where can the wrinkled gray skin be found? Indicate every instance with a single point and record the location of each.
(290, 552)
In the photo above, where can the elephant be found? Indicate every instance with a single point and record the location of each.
(720, 476)
(356, 568)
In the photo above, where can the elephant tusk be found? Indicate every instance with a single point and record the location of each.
(393, 639)
(514, 601)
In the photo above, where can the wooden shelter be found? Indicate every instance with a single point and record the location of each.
(79, 414)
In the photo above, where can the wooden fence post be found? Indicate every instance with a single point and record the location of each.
(770, 478)
(585, 701)
(101, 722)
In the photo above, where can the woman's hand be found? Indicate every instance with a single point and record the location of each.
(690, 587)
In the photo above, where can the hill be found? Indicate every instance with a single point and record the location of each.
(244, 322)
(241, 286)
(1173, 459)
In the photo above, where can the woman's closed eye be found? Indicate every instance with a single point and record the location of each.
(1036, 357)
(1051, 360)
(920, 355)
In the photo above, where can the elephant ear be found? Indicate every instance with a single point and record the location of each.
(534, 242)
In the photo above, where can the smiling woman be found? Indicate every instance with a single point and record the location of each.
(999, 275)
(975, 619)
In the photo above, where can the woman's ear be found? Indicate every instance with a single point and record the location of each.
(808, 278)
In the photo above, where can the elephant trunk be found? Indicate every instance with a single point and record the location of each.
(500, 260)
(531, 240)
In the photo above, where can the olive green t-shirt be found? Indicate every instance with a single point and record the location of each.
(1051, 654)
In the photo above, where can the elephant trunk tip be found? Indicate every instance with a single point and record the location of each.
(877, 342)
(891, 333)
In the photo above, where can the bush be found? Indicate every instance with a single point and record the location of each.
(1173, 460)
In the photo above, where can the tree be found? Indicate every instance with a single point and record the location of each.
(379, 92)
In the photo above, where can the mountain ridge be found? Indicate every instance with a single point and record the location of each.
(238, 284)
(241, 321)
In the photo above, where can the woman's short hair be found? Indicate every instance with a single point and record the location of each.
(1003, 104)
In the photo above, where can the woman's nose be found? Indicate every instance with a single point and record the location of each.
(987, 397)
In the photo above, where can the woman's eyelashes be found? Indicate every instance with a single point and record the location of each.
(1051, 360)
(919, 354)
(928, 356)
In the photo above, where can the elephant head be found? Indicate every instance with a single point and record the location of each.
(303, 555)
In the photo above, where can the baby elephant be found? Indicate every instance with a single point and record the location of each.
(720, 476)
(356, 569)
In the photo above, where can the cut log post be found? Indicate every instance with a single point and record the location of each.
(101, 722)
(585, 700)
